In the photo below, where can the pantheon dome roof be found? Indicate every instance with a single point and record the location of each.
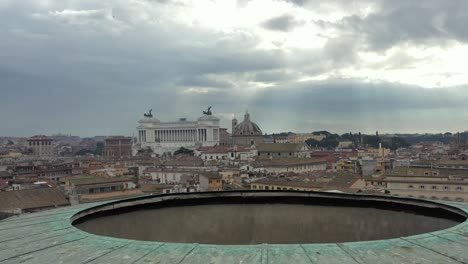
(247, 127)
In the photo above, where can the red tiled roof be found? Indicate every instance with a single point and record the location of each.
(215, 149)
(285, 162)
(32, 199)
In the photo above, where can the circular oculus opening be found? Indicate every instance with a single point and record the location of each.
(274, 218)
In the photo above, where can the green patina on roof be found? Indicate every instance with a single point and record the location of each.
(49, 237)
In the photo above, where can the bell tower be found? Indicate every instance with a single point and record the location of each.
(234, 124)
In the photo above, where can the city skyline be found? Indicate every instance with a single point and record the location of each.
(93, 67)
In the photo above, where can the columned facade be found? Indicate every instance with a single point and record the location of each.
(167, 137)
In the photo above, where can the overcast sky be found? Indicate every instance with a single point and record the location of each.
(93, 67)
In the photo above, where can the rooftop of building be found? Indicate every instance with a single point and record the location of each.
(5, 174)
(303, 182)
(155, 187)
(40, 137)
(214, 149)
(454, 163)
(280, 147)
(426, 172)
(184, 161)
(124, 138)
(32, 199)
(285, 162)
(90, 180)
(211, 175)
(49, 237)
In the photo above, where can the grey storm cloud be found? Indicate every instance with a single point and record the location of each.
(93, 67)
(204, 81)
(282, 23)
(418, 22)
(344, 105)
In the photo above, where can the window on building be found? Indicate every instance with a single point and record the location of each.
(422, 187)
(434, 187)
(459, 188)
(426, 173)
(446, 188)
(267, 188)
(410, 186)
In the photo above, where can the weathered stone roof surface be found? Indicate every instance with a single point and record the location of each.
(49, 237)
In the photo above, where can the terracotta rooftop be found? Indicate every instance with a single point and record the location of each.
(285, 162)
(279, 147)
(32, 199)
(215, 149)
(188, 162)
(456, 163)
(415, 172)
(156, 188)
(283, 181)
(97, 180)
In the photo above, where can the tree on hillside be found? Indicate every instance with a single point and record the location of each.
(323, 132)
(330, 142)
(146, 152)
(84, 152)
(183, 150)
(99, 148)
(394, 143)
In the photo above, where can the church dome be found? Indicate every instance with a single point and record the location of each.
(247, 127)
